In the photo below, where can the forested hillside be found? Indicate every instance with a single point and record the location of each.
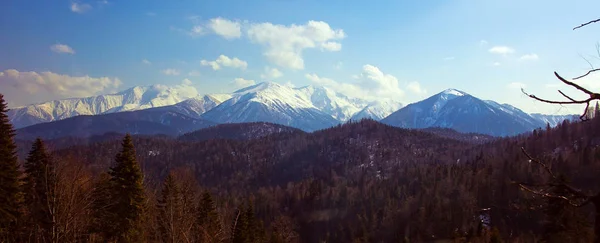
(358, 182)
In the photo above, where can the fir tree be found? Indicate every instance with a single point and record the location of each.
(208, 219)
(40, 188)
(127, 194)
(101, 215)
(170, 210)
(10, 176)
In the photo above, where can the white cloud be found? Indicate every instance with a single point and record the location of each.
(60, 48)
(501, 50)
(186, 82)
(242, 83)
(378, 83)
(22, 88)
(483, 43)
(516, 85)
(271, 73)
(371, 84)
(529, 57)
(496, 64)
(145, 61)
(331, 46)
(416, 88)
(225, 61)
(80, 8)
(170, 72)
(284, 44)
(225, 28)
(194, 73)
(197, 31)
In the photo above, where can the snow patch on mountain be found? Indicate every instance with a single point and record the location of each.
(377, 110)
(136, 98)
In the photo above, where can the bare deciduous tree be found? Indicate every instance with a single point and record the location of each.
(573, 196)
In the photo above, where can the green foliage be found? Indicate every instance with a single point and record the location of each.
(170, 210)
(40, 187)
(11, 197)
(208, 221)
(119, 202)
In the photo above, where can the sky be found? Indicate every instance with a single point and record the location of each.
(400, 50)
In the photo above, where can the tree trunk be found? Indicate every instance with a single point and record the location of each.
(596, 202)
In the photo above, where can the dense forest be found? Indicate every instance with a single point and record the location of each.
(357, 182)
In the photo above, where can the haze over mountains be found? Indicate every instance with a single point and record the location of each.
(174, 111)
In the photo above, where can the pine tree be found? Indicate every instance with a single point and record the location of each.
(10, 176)
(208, 219)
(127, 194)
(40, 188)
(597, 110)
(170, 210)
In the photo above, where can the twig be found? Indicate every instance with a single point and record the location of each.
(539, 162)
(566, 96)
(588, 23)
(588, 73)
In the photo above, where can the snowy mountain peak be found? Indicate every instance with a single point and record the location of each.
(259, 87)
(453, 92)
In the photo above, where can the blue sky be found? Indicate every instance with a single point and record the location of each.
(402, 50)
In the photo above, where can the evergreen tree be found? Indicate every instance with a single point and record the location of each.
(208, 219)
(597, 110)
(10, 176)
(101, 203)
(252, 225)
(40, 188)
(127, 194)
(170, 210)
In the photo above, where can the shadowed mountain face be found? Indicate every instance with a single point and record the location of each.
(146, 122)
(464, 113)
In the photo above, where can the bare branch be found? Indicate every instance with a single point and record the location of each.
(573, 84)
(556, 102)
(583, 116)
(588, 23)
(566, 96)
(539, 162)
(588, 73)
(548, 195)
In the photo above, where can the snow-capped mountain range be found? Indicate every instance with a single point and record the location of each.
(136, 98)
(308, 108)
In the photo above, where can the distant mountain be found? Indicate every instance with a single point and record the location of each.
(274, 103)
(144, 122)
(193, 107)
(239, 131)
(136, 98)
(462, 112)
(554, 120)
(339, 106)
(377, 110)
